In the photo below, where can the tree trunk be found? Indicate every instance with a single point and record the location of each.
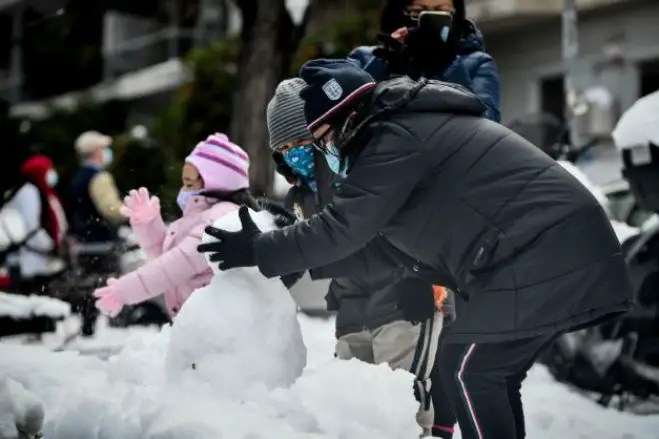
(266, 30)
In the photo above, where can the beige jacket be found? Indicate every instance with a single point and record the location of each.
(105, 196)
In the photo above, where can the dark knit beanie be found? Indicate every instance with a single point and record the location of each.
(334, 85)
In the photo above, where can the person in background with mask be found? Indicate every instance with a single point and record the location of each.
(214, 182)
(45, 223)
(382, 317)
(95, 211)
(462, 61)
(95, 200)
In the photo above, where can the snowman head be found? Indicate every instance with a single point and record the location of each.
(230, 222)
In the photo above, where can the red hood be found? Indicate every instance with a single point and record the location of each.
(35, 169)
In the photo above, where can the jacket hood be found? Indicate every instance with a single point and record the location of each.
(424, 96)
(472, 39)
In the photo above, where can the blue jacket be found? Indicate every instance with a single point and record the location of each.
(474, 69)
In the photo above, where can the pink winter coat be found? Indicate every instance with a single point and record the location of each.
(174, 267)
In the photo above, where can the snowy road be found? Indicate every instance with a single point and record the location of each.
(552, 410)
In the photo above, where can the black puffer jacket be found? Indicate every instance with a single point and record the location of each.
(469, 204)
(365, 301)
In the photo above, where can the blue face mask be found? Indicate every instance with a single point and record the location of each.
(108, 156)
(333, 157)
(183, 198)
(301, 161)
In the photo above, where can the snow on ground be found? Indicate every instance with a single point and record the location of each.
(552, 410)
(231, 367)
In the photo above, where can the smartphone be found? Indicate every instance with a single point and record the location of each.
(433, 23)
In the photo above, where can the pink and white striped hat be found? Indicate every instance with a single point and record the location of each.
(223, 165)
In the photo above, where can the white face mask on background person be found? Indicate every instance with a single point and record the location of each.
(52, 178)
(108, 156)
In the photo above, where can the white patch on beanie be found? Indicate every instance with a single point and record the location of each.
(333, 90)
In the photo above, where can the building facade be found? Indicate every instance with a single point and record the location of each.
(618, 49)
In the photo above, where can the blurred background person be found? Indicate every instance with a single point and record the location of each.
(95, 206)
(95, 198)
(35, 259)
(45, 219)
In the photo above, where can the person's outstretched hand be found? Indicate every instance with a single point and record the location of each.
(139, 207)
(233, 249)
(109, 301)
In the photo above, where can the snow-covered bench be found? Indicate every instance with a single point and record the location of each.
(30, 314)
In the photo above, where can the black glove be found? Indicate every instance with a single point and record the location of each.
(416, 299)
(291, 279)
(283, 217)
(233, 249)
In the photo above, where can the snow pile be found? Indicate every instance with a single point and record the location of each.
(553, 411)
(26, 307)
(638, 125)
(230, 366)
(21, 413)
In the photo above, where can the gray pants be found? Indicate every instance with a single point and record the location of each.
(401, 345)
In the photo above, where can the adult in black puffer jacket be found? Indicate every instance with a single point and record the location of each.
(464, 202)
(370, 322)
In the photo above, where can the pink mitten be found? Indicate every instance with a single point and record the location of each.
(139, 207)
(110, 300)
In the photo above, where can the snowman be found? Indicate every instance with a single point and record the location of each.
(239, 334)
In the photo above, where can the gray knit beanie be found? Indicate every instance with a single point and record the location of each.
(285, 114)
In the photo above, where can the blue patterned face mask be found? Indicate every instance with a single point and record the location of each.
(301, 161)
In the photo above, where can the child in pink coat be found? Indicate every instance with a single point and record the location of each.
(214, 182)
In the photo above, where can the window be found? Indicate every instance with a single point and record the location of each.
(649, 72)
(552, 96)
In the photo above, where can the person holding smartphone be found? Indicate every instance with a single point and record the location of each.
(461, 59)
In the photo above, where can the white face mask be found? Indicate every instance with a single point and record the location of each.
(333, 158)
(52, 178)
(108, 156)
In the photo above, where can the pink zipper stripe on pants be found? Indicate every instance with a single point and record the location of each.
(465, 394)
